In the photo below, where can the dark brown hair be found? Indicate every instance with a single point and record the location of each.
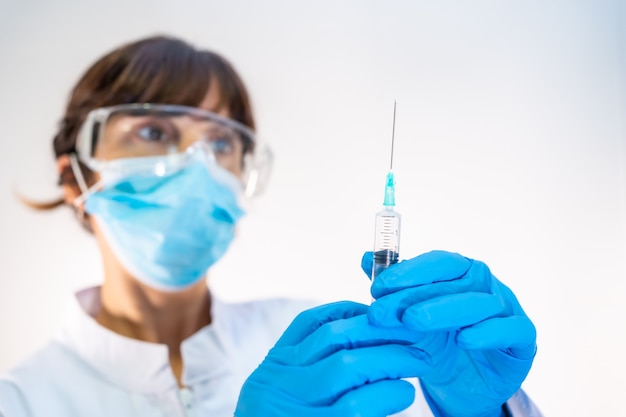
(158, 69)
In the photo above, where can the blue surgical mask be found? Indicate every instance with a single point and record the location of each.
(167, 231)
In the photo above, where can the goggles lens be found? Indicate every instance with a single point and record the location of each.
(161, 133)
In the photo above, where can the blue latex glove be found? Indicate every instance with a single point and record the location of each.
(332, 362)
(480, 341)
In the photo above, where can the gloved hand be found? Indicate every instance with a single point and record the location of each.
(332, 362)
(480, 341)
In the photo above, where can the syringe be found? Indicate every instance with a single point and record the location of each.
(387, 230)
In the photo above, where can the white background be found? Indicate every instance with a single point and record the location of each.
(510, 148)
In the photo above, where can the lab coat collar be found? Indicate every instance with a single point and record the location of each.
(137, 365)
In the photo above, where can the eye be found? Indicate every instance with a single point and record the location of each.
(153, 134)
(222, 140)
(222, 145)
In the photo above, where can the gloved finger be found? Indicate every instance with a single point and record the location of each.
(435, 266)
(389, 309)
(378, 399)
(451, 312)
(351, 333)
(516, 334)
(310, 320)
(346, 370)
(367, 261)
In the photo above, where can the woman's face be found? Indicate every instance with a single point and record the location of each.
(127, 139)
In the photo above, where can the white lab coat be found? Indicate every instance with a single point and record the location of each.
(88, 370)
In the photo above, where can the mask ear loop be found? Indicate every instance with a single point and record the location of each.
(78, 173)
(86, 191)
(77, 204)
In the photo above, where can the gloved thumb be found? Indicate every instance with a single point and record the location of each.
(367, 262)
(310, 320)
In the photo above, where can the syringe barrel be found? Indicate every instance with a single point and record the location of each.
(386, 240)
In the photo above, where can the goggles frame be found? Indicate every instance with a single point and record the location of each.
(257, 161)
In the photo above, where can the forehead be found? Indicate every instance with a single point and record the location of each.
(211, 101)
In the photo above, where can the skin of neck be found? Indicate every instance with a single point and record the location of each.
(133, 309)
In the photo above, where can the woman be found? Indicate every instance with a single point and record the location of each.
(155, 153)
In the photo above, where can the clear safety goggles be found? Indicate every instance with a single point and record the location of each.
(160, 139)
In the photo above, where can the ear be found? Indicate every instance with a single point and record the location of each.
(68, 181)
